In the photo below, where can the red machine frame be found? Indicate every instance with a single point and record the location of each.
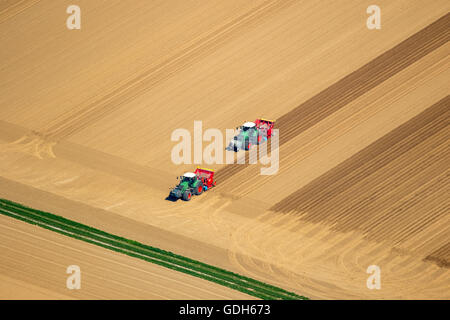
(206, 176)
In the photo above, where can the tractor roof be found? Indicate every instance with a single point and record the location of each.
(249, 124)
(189, 175)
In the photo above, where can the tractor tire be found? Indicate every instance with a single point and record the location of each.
(198, 189)
(247, 145)
(187, 195)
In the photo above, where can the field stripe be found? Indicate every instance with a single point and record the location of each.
(82, 116)
(403, 172)
(441, 256)
(138, 250)
(10, 10)
(355, 85)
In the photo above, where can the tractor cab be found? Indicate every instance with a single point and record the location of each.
(189, 178)
(248, 126)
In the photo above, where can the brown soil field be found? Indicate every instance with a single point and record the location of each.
(43, 256)
(86, 118)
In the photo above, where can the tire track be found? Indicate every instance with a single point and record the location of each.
(383, 188)
(12, 10)
(144, 252)
(369, 160)
(355, 85)
(441, 256)
(96, 265)
(391, 190)
(92, 111)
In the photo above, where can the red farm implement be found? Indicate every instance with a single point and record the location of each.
(265, 128)
(206, 176)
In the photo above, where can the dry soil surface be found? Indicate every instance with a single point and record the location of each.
(86, 118)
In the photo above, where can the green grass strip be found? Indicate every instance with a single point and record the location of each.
(280, 295)
(145, 252)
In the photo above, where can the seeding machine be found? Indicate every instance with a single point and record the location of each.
(202, 179)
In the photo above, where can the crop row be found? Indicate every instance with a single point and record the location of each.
(145, 252)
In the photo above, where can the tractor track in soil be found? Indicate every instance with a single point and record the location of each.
(353, 86)
(376, 190)
(83, 116)
(141, 251)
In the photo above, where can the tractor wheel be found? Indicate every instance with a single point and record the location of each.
(187, 196)
(198, 189)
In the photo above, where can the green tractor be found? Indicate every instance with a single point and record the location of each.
(247, 136)
(190, 184)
